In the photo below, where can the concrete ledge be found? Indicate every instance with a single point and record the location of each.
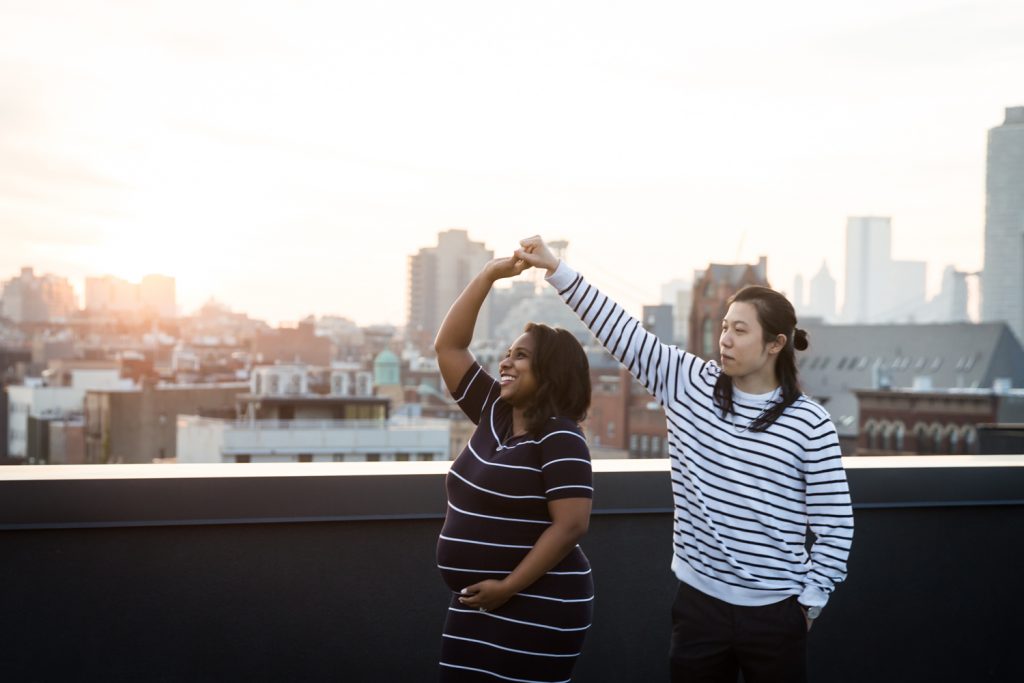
(83, 496)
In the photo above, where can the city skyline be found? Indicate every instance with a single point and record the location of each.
(289, 162)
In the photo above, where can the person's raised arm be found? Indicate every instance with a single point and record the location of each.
(654, 363)
(456, 332)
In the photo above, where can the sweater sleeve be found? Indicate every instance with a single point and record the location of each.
(829, 514)
(654, 364)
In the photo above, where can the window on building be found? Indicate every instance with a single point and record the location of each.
(970, 439)
(841, 364)
(305, 457)
(655, 445)
(954, 440)
(610, 430)
(871, 430)
(887, 437)
(634, 443)
(709, 335)
(243, 458)
(921, 441)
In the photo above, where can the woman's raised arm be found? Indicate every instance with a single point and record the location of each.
(456, 332)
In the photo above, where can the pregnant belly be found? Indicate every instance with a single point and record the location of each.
(463, 563)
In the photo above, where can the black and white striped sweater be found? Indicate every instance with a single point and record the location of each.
(743, 500)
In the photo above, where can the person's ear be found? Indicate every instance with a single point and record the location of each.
(778, 344)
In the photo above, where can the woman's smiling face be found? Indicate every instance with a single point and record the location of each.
(518, 383)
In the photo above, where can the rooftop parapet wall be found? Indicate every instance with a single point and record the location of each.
(325, 572)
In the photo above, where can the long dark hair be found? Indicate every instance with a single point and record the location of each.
(776, 316)
(563, 377)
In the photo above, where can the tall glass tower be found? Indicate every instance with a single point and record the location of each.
(1002, 293)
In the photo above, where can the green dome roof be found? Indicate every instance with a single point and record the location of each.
(386, 368)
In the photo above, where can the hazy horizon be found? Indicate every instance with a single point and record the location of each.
(288, 161)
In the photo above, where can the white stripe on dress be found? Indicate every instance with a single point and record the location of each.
(504, 678)
(492, 615)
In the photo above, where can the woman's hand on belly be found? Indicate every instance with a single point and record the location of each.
(487, 595)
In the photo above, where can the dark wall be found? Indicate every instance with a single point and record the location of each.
(1001, 439)
(3, 420)
(931, 594)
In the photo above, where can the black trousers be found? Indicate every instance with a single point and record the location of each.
(713, 641)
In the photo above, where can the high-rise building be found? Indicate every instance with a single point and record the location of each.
(29, 298)
(822, 301)
(1002, 292)
(950, 304)
(659, 320)
(155, 295)
(906, 293)
(110, 293)
(678, 294)
(878, 289)
(437, 275)
(868, 244)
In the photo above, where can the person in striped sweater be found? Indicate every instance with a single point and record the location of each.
(755, 463)
(519, 499)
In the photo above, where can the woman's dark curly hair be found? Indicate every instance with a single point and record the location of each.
(560, 366)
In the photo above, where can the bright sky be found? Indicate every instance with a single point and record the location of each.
(287, 158)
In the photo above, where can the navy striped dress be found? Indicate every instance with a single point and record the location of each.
(498, 489)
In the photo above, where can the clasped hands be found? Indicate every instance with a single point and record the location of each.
(532, 253)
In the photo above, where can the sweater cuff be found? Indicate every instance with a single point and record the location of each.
(812, 596)
(562, 277)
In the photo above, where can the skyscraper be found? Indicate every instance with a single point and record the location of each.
(879, 289)
(799, 302)
(29, 298)
(950, 304)
(437, 275)
(1002, 291)
(155, 295)
(823, 295)
(678, 293)
(868, 243)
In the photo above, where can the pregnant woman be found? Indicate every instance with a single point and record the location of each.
(519, 498)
